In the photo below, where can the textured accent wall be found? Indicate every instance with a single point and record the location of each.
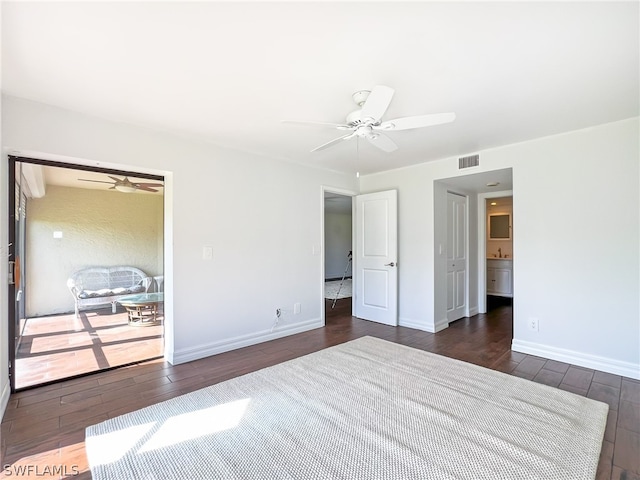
(99, 228)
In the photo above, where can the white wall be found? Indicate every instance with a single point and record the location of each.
(337, 244)
(99, 228)
(578, 272)
(261, 216)
(263, 219)
(4, 235)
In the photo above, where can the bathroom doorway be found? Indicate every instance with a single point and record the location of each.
(499, 251)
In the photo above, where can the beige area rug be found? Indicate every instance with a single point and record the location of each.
(366, 409)
(332, 289)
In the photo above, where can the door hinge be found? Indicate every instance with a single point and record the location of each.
(12, 272)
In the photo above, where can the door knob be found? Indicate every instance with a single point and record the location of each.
(390, 264)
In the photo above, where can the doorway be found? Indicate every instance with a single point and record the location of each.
(372, 263)
(499, 252)
(63, 219)
(338, 253)
(477, 187)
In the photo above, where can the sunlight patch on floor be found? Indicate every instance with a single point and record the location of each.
(111, 447)
(199, 423)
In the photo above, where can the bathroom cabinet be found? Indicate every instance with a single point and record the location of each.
(500, 277)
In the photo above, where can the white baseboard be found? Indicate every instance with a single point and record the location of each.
(208, 349)
(595, 362)
(441, 325)
(4, 398)
(410, 323)
(337, 276)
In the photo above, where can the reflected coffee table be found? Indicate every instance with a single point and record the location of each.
(142, 308)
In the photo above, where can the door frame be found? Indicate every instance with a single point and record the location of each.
(482, 245)
(12, 159)
(11, 289)
(346, 193)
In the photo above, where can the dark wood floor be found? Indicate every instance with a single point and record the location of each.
(44, 427)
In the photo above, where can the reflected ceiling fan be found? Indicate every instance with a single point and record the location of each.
(125, 185)
(367, 120)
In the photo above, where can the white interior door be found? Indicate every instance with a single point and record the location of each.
(376, 257)
(456, 256)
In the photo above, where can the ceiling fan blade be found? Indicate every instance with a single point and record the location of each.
(146, 189)
(333, 142)
(377, 102)
(317, 124)
(417, 121)
(118, 180)
(148, 184)
(382, 142)
(96, 181)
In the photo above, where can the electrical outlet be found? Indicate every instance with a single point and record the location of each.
(533, 324)
(296, 308)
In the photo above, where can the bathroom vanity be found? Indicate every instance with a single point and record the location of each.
(500, 277)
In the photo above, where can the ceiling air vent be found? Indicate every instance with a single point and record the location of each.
(470, 161)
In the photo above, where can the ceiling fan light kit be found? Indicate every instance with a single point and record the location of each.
(366, 122)
(360, 97)
(125, 188)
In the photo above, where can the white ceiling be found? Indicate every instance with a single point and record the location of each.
(229, 72)
(484, 182)
(39, 177)
(69, 177)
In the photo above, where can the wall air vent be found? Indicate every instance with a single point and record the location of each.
(470, 161)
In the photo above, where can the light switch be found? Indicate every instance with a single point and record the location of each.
(57, 234)
(207, 253)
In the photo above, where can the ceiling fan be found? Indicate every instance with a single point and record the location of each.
(125, 185)
(367, 120)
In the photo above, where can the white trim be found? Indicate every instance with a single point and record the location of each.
(4, 398)
(473, 311)
(209, 349)
(441, 325)
(603, 364)
(409, 323)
